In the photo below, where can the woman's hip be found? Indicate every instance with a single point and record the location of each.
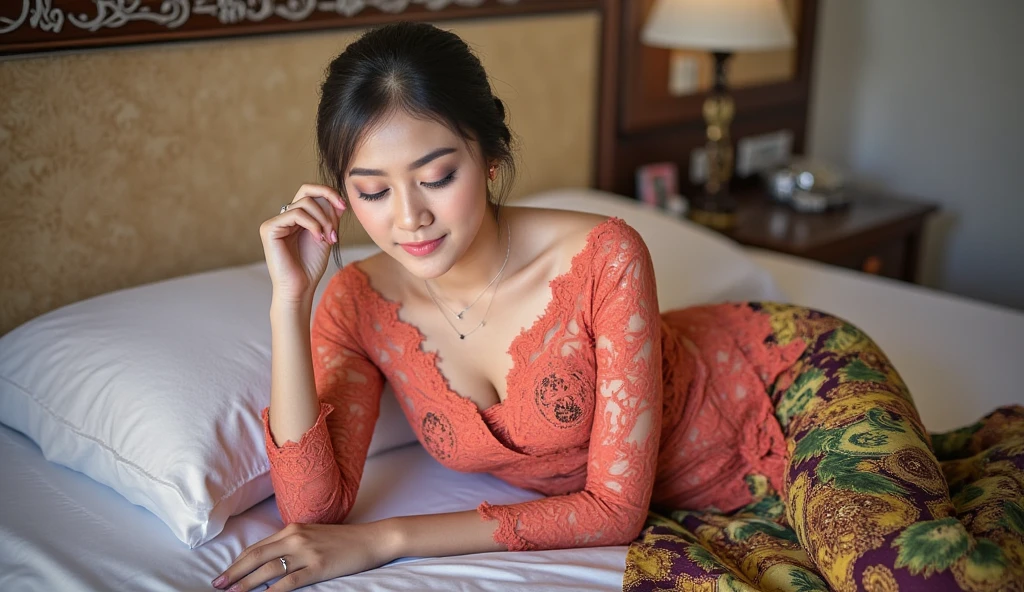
(739, 378)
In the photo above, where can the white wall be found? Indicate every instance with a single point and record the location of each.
(926, 98)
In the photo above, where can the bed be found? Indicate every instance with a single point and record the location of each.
(61, 530)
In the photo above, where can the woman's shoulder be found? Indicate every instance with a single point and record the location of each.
(582, 243)
(349, 288)
(566, 232)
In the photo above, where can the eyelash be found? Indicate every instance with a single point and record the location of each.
(435, 185)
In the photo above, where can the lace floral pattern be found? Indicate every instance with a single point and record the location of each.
(623, 318)
(580, 422)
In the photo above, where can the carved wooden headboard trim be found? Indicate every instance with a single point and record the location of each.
(28, 26)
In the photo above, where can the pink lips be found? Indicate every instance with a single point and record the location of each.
(422, 249)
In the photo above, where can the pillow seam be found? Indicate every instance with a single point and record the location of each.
(122, 460)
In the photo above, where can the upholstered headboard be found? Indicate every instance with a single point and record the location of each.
(130, 165)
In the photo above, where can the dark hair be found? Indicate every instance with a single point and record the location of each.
(427, 72)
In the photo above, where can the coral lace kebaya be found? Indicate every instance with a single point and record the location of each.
(601, 382)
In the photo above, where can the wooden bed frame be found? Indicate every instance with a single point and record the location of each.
(127, 165)
(41, 25)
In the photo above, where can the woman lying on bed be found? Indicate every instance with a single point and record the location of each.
(528, 343)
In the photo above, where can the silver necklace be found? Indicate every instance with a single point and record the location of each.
(459, 315)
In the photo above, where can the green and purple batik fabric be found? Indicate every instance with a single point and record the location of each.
(872, 502)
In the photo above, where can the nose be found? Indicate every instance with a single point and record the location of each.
(410, 211)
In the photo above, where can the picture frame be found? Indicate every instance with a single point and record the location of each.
(656, 182)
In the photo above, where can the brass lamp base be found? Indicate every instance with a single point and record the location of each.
(714, 211)
(715, 208)
(715, 220)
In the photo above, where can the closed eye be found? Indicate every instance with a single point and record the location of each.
(430, 185)
(372, 196)
(442, 182)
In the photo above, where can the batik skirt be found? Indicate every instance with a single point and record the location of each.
(871, 501)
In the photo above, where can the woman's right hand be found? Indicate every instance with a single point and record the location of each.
(297, 242)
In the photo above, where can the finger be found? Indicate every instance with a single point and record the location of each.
(331, 211)
(233, 570)
(330, 220)
(324, 191)
(289, 223)
(314, 209)
(293, 581)
(253, 559)
(272, 568)
(284, 223)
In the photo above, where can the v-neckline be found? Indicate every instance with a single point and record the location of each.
(418, 338)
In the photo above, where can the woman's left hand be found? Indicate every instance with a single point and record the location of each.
(312, 552)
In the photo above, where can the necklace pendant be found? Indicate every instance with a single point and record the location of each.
(459, 315)
(461, 336)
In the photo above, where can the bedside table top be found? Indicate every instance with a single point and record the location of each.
(764, 223)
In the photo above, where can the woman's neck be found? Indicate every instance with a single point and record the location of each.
(463, 283)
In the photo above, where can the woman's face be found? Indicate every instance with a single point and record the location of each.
(413, 180)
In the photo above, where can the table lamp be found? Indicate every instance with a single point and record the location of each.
(721, 27)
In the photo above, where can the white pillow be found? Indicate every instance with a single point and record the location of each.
(692, 264)
(156, 392)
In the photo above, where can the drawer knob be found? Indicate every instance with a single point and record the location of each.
(872, 264)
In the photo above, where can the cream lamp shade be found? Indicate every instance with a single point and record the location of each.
(718, 25)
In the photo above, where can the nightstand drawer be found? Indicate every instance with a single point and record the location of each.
(874, 234)
(888, 259)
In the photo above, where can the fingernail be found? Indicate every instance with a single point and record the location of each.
(334, 236)
(220, 581)
(323, 238)
(234, 588)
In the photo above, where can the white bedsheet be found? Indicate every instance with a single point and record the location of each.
(960, 358)
(61, 531)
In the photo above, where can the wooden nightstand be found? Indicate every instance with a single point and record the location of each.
(875, 233)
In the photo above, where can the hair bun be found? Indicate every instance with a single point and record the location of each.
(500, 106)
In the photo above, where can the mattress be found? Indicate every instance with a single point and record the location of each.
(60, 530)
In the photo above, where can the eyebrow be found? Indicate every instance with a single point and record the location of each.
(412, 167)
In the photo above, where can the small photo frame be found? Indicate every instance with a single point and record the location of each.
(657, 181)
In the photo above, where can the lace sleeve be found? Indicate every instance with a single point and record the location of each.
(612, 507)
(316, 479)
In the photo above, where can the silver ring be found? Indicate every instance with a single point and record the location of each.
(284, 564)
(284, 208)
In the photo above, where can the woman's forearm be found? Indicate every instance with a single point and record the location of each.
(294, 406)
(438, 535)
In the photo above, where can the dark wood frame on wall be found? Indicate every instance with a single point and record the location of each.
(636, 129)
(28, 26)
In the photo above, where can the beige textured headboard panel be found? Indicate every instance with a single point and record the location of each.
(122, 167)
